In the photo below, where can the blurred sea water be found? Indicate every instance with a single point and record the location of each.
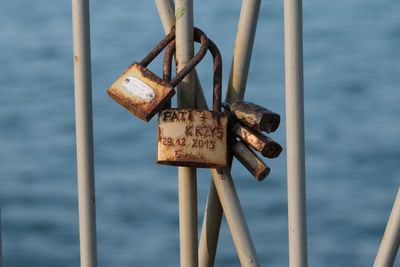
(352, 95)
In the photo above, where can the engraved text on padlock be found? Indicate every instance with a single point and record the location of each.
(193, 137)
(190, 137)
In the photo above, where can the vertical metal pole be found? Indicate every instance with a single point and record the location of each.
(1, 249)
(166, 11)
(84, 132)
(186, 176)
(184, 50)
(234, 217)
(243, 49)
(236, 88)
(210, 228)
(391, 238)
(295, 133)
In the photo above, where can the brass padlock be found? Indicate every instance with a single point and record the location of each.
(141, 91)
(194, 137)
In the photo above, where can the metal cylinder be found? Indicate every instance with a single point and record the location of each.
(236, 88)
(243, 49)
(84, 132)
(213, 214)
(166, 11)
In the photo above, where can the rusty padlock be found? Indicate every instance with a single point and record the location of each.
(254, 116)
(194, 137)
(141, 91)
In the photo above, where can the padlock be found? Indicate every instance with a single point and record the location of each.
(254, 116)
(256, 140)
(194, 137)
(250, 161)
(200, 37)
(141, 91)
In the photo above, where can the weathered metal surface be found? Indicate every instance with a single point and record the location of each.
(251, 161)
(255, 116)
(256, 140)
(192, 138)
(158, 48)
(141, 91)
(200, 37)
(189, 137)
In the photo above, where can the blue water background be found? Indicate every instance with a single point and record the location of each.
(352, 96)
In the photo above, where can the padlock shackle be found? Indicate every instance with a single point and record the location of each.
(217, 80)
(200, 37)
(160, 47)
(217, 60)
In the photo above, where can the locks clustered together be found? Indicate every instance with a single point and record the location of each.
(193, 137)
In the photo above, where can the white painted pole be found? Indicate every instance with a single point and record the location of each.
(236, 88)
(188, 217)
(243, 49)
(210, 228)
(234, 217)
(84, 132)
(186, 176)
(391, 238)
(212, 218)
(1, 249)
(166, 11)
(295, 133)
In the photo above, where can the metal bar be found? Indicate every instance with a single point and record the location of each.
(250, 161)
(84, 132)
(1, 249)
(391, 238)
(213, 212)
(184, 51)
(295, 133)
(243, 49)
(186, 176)
(166, 12)
(234, 216)
(210, 228)
(188, 216)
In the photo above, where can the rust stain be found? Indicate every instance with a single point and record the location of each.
(192, 138)
(141, 108)
(76, 58)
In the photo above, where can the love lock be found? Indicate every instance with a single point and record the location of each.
(193, 137)
(141, 91)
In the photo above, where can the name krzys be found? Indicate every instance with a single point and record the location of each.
(194, 130)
